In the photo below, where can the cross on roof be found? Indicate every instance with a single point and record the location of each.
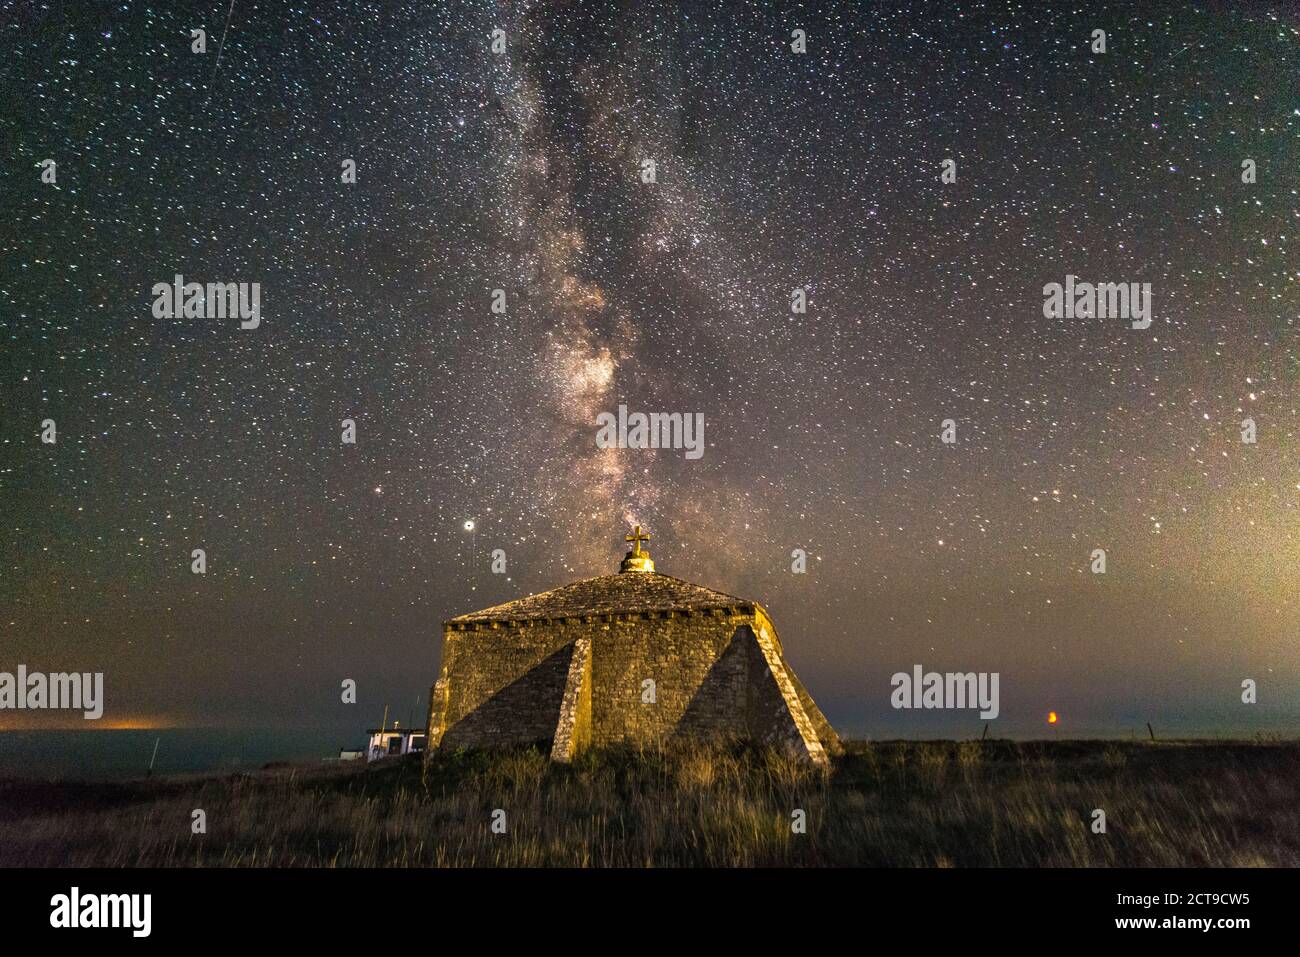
(637, 537)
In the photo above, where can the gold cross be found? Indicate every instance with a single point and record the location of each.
(638, 538)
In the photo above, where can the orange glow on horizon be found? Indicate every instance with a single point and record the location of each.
(1051, 717)
(46, 721)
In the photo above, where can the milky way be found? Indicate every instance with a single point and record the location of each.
(521, 171)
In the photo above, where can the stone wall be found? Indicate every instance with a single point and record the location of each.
(499, 685)
(581, 680)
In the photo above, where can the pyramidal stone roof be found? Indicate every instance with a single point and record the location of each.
(639, 591)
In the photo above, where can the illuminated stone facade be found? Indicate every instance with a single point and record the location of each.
(636, 657)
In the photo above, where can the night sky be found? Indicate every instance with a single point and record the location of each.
(775, 170)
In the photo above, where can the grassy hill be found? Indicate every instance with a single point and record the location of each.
(897, 803)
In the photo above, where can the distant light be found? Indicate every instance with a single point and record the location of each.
(1051, 717)
(469, 525)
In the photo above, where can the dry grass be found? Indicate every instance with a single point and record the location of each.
(888, 804)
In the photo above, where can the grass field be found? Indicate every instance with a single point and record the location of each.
(908, 804)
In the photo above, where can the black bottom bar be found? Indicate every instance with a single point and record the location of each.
(330, 907)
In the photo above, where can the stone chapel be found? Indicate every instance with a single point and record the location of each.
(635, 657)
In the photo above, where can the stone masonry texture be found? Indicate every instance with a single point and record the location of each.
(636, 657)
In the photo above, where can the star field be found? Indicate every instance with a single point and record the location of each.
(775, 170)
